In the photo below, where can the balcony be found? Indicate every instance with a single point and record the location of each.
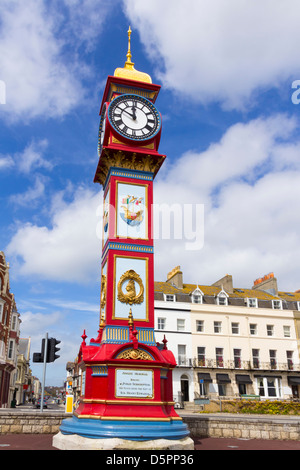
(219, 363)
(183, 361)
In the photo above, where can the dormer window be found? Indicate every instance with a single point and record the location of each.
(169, 297)
(252, 302)
(222, 298)
(197, 296)
(277, 304)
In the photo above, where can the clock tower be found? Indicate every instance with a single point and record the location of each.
(127, 377)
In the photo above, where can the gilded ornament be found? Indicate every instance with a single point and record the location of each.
(103, 291)
(135, 354)
(130, 296)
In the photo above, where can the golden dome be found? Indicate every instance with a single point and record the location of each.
(129, 71)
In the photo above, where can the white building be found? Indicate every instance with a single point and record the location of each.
(173, 321)
(230, 342)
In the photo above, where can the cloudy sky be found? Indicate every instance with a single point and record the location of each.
(230, 112)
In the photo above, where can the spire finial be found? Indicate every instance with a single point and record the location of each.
(128, 63)
(129, 71)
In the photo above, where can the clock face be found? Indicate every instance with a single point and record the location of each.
(134, 117)
(102, 129)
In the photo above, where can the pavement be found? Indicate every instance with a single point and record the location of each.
(44, 442)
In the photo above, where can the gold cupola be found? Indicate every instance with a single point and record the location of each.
(128, 71)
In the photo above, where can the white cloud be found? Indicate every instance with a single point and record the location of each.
(31, 195)
(249, 183)
(219, 51)
(32, 157)
(69, 249)
(36, 324)
(41, 79)
(6, 161)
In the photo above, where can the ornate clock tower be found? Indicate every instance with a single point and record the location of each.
(127, 376)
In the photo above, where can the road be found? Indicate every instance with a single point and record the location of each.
(50, 405)
(44, 442)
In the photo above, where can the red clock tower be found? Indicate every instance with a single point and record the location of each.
(127, 377)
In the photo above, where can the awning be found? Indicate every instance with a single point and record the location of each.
(204, 376)
(294, 380)
(223, 379)
(243, 379)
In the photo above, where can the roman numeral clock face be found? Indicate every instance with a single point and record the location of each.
(134, 117)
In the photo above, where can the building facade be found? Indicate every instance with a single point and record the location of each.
(9, 336)
(230, 342)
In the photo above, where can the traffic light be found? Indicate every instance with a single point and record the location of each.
(39, 357)
(52, 350)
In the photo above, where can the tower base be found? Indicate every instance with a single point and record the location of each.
(109, 434)
(76, 442)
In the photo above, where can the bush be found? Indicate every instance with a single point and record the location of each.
(262, 407)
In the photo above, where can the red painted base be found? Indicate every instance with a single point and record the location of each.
(130, 381)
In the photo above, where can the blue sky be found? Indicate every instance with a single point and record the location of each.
(230, 133)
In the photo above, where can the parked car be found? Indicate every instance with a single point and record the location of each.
(38, 403)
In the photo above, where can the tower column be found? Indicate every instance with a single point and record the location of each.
(127, 389)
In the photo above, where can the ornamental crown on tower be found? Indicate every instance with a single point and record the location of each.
(128, 71)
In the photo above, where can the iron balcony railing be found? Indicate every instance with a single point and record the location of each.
(220, 363)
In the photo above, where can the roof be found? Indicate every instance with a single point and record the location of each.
(167, 288)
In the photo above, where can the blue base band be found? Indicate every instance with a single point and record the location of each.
(129, 430)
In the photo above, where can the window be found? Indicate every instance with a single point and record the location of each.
(253, 329)
(217, 326)
(235, 328)
(197, 299)
(222, 390)
(200, 326)
(10, 349)
(273, 361)
(197, 296)
(219, 357)
(255, 358)
(252, 303)
(13, 322)
(269, 386)
(277, 304)
(180, 324)
(169, 298)
(270, 330)
(1, 312)
(201, 356)
(181, 354)
(222, 299)
(161, 323)
(237, 358)
(286, 331)
(289, 357)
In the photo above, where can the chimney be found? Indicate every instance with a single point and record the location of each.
(225, 283)
(175, 277)
(266, 283)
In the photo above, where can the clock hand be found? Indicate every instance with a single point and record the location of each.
(125, 111)
(133, 110)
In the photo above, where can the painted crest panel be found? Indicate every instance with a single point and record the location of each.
(131, 217)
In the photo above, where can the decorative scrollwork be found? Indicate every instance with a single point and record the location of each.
(135, 354)
(103, 291)
(130, 296)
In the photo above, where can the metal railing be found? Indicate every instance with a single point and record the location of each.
(256, 364)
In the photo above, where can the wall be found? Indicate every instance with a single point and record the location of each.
(22, 422)
(200, 425)
(245, 427)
